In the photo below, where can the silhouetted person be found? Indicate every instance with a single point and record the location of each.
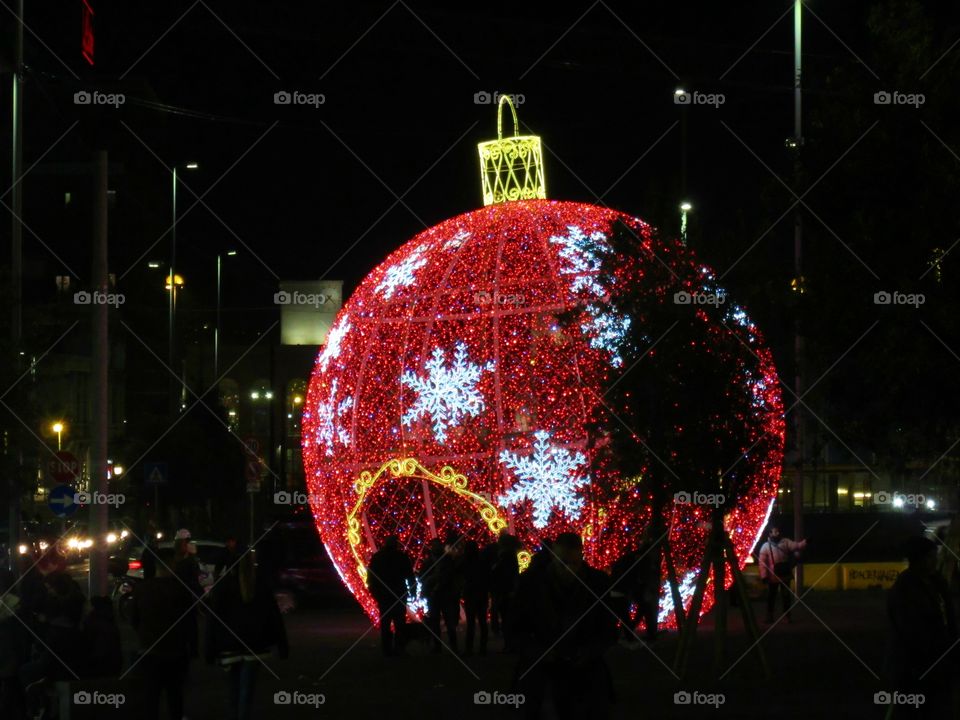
(504, 576)
(187, 569)
(777, 559)
(227, 557)
(563, 626)
(635, 580)
(444, 576)
(57, 615)
(148, 559)
(476, 594)
(389, 576)
(101, 640)
(244, 625)
(428, 574)
(159, 616)
(14, 647)
(924, 629)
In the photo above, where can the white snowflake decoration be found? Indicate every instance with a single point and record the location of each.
(331, 428)
(581, 257)
(332, 348)
(402, 274)
(456, 242)
(607, 331)
(446, 394)
(549, 478)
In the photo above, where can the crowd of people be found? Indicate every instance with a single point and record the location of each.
(558, 617)
(46, 637)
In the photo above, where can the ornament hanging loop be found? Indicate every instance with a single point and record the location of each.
(504, 98)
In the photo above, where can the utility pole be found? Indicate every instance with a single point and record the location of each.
(100, 359)
(16, 275)
(799, 281)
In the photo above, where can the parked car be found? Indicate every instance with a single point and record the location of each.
(208, 553)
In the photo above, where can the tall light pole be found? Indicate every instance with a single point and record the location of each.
(798, 285)
(216, 329)
(16, 273)
(174, 395)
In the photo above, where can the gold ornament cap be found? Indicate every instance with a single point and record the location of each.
(511, 168)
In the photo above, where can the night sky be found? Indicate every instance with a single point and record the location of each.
(308, 192)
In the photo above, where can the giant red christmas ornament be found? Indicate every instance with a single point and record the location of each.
(450, 397)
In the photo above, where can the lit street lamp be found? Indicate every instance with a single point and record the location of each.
(685, 207)
(58, 428)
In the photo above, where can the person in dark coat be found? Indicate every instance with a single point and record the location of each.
(924, 630)
(635, 580)
(101, 639)
(442, 581)
(14, 647)
(159, 616)
(389, 577)
(563, 625)
(427, 575)
(187, 569)
(504, 575)
(476, 594)
(244, 626)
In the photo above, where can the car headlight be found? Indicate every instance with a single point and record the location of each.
(124, 533)
(87, 542)
(111, 538)
(23, 549)
(73, 543)
(44, 545)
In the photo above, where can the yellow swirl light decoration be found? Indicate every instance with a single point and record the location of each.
(410, 467)
(511, 168)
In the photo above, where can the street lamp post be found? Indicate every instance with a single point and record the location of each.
(172, 300)
(797, 146)
(216, 329)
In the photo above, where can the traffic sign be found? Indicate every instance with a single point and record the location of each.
(61, 501)
(155, 473)
(63, 467)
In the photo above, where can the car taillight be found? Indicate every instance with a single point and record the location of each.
(135, 565)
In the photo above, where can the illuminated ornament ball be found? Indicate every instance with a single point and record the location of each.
(454, 395)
